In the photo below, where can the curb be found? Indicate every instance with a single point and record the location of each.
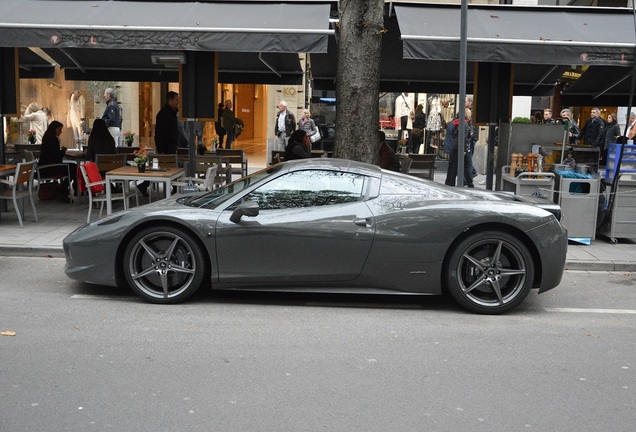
(27, 251)
(601, 266)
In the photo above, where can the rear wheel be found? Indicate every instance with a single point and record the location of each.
(164, 265)
(490, 272)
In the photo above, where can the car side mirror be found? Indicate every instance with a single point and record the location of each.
(248, 208)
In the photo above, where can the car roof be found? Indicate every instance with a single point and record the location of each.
(334, 164)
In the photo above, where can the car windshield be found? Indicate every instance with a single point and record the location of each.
(218, 196)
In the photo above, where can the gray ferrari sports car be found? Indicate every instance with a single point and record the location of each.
(329, 225)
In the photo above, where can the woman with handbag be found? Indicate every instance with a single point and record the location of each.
(308, 125)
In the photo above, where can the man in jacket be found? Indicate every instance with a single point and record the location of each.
(167, 125)
(460, 150)
(285, 125)
(594, 130)
(166, 131)
(573, 128)
(112, 114)
(229, 123)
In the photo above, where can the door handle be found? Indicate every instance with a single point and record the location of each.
(366, 222)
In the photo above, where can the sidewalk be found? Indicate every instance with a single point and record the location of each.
(57, 219)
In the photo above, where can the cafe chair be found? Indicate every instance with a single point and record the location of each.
(56, 177)
(204, 184)
(20, 188)
(165, 161)
(405, 164)
(96, 188)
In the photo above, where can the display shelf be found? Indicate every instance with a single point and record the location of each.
(528, 183)
(628, 162)
(622, 219)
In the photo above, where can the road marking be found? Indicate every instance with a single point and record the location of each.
(598, 311)
(96, 297)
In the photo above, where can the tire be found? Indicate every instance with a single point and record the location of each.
(490, 272)
(164, 265)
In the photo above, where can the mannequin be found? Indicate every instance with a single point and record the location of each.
(75, 118)
(402, 111)
(434, 121)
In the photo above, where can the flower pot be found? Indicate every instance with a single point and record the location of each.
(141, 167)
(31, 140)
(129, 142)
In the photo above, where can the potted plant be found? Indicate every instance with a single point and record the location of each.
(129, 138)
(31, 136)
(402, 145)
(141, 157)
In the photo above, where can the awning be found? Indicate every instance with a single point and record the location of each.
(520, 34)
(429, 76)
(600, 86)
(82, 64)
(192, 26)
(32, 65)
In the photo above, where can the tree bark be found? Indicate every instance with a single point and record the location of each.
(358, 80)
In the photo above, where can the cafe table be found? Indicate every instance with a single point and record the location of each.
(7, 170)
(131, 173)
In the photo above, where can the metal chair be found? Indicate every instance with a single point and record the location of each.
(108, 162)
(423, 165)
(204, 184)
(20, 187)
(54, 176)
(405, 165)
(98, 195)
(164, 161)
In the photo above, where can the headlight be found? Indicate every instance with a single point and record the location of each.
(110, 219)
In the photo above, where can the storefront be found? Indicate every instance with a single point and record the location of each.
(95, 44)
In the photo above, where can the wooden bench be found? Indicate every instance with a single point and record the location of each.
(278, 156)
(236, 157)
(422, 165)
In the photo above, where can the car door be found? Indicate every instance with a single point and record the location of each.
(313, 225)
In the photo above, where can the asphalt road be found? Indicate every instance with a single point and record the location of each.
(90, 358)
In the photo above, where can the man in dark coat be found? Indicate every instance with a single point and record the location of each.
(166, 131)
(594, 131)
(167, 125)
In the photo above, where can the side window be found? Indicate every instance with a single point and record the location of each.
(308, 188)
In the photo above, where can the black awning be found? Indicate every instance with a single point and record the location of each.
(599, 86)
(519, 34)
(429, 76)
(33, 66)
(187, 26)
(82, 64)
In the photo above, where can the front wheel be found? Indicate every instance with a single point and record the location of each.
(164, 265)
(490, 272)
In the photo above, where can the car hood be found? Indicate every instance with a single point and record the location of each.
(537, 201)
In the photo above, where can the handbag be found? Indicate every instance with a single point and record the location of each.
(417, 132)
(47, 191)
(315, 137)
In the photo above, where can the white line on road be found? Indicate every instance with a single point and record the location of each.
(598, 311)
(96, 297)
